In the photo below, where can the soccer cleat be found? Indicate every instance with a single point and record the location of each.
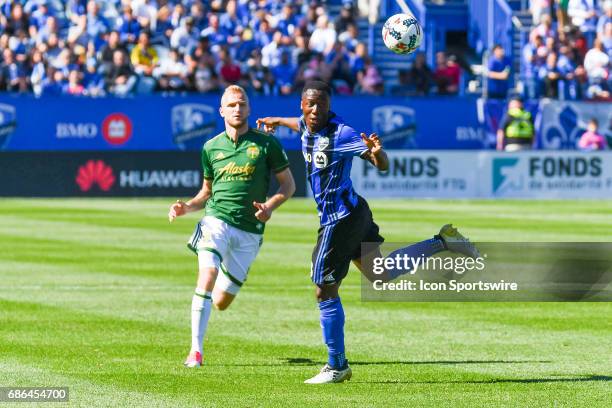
(194, 359)
(330, 375)
(455, 242)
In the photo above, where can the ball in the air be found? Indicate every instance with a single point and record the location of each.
(402, 33)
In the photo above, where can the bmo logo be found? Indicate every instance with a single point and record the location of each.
(117, 129)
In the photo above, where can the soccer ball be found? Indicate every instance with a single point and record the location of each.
(402, 33)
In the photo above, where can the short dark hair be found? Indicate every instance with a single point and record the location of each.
(594, 121)
(317, 86)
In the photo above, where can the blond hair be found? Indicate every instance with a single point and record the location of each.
(234, 89)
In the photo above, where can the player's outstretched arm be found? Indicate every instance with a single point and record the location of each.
(270, 123)
(285, 191)
(375, 154)
(195, 204)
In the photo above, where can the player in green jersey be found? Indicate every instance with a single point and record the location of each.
(236, 168)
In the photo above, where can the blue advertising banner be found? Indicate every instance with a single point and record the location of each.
(186, 122)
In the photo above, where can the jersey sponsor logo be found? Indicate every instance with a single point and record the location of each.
(231, 171)
(252, 152)
(8, 123)
(220, 156)
(117, 128)
(320, 160)
(323, 142)
(95, 172)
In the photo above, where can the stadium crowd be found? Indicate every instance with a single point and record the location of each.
(569, 50)
(88, 47)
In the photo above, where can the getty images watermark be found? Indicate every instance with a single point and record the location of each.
(514, 271)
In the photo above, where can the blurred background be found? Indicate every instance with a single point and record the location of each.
(505, 98)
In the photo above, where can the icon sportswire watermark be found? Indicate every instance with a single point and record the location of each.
(560, 271)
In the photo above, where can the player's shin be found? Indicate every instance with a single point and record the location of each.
(332, 324)
(418, 252)
(201, 306)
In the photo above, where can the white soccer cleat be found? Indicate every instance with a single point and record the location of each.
(330, 375)
(455, 242)
(194, 359)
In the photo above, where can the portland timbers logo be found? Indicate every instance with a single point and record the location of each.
(252, 152)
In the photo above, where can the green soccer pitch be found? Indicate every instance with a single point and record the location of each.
(96, 294)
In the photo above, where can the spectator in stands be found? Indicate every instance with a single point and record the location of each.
(96, 25)
(53, 84)
(516, 131)
(498, 74)
(284, 74)
(74, 85)
(339, 62)
(52, 48)
(544, 29)
(13, 73)
(597, 64)
(120, 78)
(349, 37)
(369, 79)
(198, 15)
(172, 72)
(39, 72)
(213, 32)
(563, 20)
(446, 75)
(93, 81)
(39, 17)
(287, 21)
(229, 72)
(185, 36)
(605, 18)
(271, 53)
(549, 76)
(144, 56)
(18, 20)
(345, 18)
(108, 50)
(533, 58)
(420, 76)
(314, 69)
(260, 78)
(592, 139)
(50, 27)
(357, 59)
(205, 78)
(568, 71)
(323, 37)
(177, 16)
(128, 26)
(606, 39)
(583, 14)
(230, 24)
(146, 14)
(163, 27)
(539, 8)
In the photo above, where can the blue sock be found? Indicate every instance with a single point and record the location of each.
(332, 323)
(423, 249)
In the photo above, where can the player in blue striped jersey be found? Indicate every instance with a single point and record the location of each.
(328, 146)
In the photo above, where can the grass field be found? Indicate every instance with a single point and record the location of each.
(95, 295)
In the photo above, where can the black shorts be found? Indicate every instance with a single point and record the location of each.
(340, 243)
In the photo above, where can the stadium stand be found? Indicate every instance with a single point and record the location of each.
(558, 49)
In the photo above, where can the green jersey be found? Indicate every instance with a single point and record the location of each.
(240, 174)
